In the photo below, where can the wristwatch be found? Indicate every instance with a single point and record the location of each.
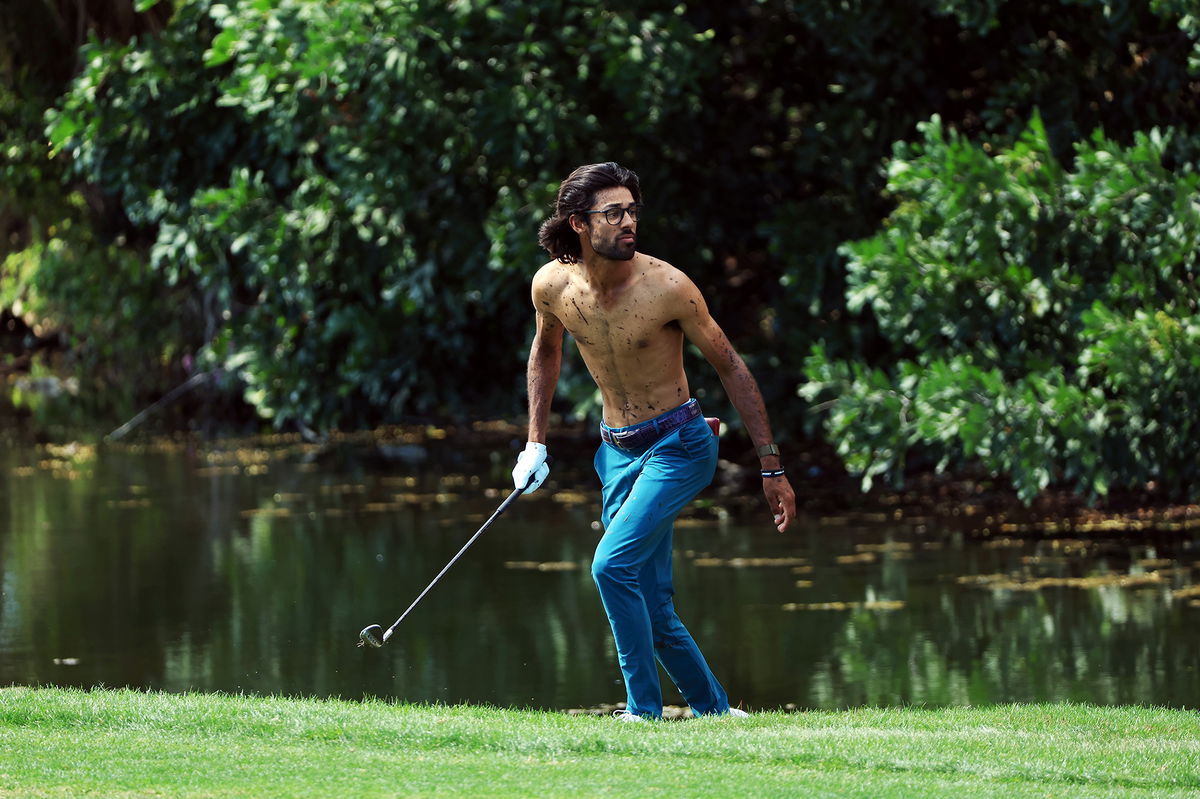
(767, 449)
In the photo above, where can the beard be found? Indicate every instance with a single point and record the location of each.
(615, 250)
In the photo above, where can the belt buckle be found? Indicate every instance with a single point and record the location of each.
(619, 439)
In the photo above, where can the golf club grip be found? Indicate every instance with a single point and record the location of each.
(503, 507)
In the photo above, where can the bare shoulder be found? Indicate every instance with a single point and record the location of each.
(672, 284)
(548, 283)
(550, 273)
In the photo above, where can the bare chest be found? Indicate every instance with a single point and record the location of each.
(625, 323)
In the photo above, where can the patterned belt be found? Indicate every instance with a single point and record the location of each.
(643, 434)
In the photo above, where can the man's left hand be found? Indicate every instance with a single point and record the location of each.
(781, 499)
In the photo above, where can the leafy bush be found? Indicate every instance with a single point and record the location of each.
(1047, 317)
(89, 304)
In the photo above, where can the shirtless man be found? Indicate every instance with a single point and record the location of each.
(629, 314)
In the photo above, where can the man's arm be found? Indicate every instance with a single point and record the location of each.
(545, 359)
(703, 331)
(541, 375)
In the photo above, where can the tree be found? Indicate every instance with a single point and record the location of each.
(1046, 315)
(352, 186)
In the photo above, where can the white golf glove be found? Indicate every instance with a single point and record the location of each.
(531, 463)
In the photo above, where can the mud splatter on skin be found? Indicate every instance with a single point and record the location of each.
(579, 311)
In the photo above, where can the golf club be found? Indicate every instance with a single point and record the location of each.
(375, 636)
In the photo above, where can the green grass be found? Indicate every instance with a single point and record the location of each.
(69, 743)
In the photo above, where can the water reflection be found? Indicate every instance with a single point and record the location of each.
(252, 568)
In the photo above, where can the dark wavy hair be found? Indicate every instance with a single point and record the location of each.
(578, 193)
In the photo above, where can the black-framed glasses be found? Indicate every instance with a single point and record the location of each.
(614, 216)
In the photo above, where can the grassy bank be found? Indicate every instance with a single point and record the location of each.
(65, 743)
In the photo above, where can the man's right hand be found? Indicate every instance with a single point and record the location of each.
(531, 468)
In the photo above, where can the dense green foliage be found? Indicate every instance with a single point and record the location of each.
(354, 187)
(74, 281)
(347, 194)
(1047, 316)
(65, 742)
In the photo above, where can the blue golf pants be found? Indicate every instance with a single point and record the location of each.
(643, 491)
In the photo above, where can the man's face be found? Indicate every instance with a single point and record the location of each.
(616, 242)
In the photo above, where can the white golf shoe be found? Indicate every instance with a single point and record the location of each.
(738, 713)
(625, 715)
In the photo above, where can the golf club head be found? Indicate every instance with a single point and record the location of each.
(371, 636)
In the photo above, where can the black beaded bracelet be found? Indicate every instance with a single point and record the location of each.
(772, 473)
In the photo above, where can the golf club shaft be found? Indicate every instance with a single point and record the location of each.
(503, 507)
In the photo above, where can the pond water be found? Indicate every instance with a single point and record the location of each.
(251, 566)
